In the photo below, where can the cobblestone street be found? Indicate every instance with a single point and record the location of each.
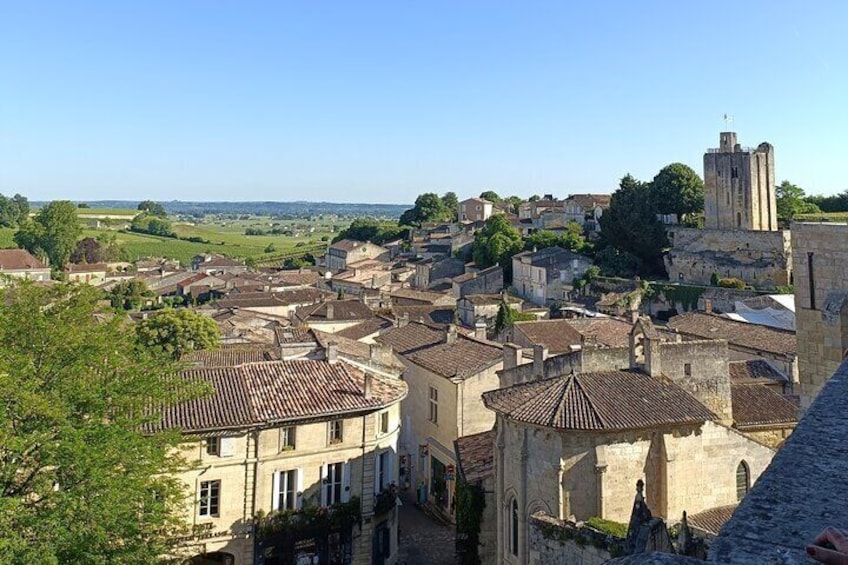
(423, 540)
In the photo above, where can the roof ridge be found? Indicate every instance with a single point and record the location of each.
(561, 401)
(601, 419)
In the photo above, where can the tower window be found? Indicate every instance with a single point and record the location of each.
(812, 280)
(734, 173)
(743, 480)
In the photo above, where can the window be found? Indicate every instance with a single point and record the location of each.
(734, 173)
(213, 446)
(743, 480)
(728, 197)
(513, 530)
(336, 431)
(434, 405)
(332, 484)
(210, 498)
(287, 438)
(383, 473)
(812, 280)
(384, 422)
(687, 369)
(285, 490)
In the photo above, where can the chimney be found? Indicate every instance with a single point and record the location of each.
(480, 329)
(634, 316)
(708, 306)
(403, 321)
(540, 352)
(330, 310)
(450, 335)
(511, 356)
(332, 352)
(368, 385)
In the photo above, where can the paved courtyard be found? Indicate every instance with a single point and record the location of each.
(423, 540)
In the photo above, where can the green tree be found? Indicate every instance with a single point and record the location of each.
(496, 243)
(491, 196)
(110, 249)
(87, 250)
(152, 208)
(154, 225)
(369, 229)
(631, 228)
(14, 211)
(451, 202)
(175, 332)
(84, 478)
(677, 189)
(513, 202)
(508, 315)
(791, 201)
(130, 294)
(53, 232)
(428, 208)
(572, 239)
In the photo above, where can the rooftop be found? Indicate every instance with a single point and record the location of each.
(753, 371)
(756, 405)
(341, 310)
(18, 259)
(614, 400)
(739, 334)
(560, 335)
(462, 359)
(475, 456)
(711, 521)
(228, 356)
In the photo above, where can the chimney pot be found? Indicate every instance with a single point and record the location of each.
(540, 352)
(480, 329)
(330, 310)
(368, 386)
(708, 306)
(332, 352)
(450, 335)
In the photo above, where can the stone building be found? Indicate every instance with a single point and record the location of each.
(739, 188)
(289, 435)
(342, 254)
(19, 263)
(740, 238)
(446, 373)
(821, 302)
(475, 210)
(572, 443)
(486, 281)
(547, 274)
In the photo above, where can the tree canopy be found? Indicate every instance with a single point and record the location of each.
(429, 207)
(177, 331)
(631, 227)
(152, 208)
(80, 480)
(677, 189)
(369, 229)
(496, 243)
(791, 201)
(572, 239)
(130, 294)
(53, 232)
(491, 196)
(451, 202)
(154, 225)
(14, 211)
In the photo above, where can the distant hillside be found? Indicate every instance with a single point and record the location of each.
(290, 209)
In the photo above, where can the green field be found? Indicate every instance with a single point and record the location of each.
(223, 237)
(823, 217)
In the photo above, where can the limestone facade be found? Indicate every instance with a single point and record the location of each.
(821, 309)
(760, 258)
(739, 189)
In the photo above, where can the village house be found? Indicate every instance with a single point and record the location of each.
(440, 240)
(283, 303)
(485, 281)
(446, 374)
(344, 253)
(214, 264)
(566, 335)
(332, 316)
(412, 297)
(475, 210)
(89, 273)
(547, 274)
(436, 270)
(289, 436)
(361, 277)
(587, 209)
(572, 443)
(473, 308)
(19, 263)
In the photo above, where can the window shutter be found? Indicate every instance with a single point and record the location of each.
(227, 446)
(299, 494)
(323, 486)
(377, 473)
(390, 457)
(345, 482)
(275, 491)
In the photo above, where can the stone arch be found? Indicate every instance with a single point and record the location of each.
(743, 479)
(538, 505)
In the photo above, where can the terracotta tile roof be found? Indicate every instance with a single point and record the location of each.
(291, 334)
(757, 371)
(419, 295)
(366, 328)
(356, 351)
(432, 315)
(410, 338)
(296, 277)
(272, 299)
(342, 310)
(18, 259)
(476, 456)
(86, 268)
(614, 400)
(740, 334)
(256, 394)
(711, 521)
(228, 356)
(758, 405)
(589, 201)
(462, 359)
(489, 299)
(559, 335)
(549, 257)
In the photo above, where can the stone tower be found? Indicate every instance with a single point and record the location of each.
(739, 190)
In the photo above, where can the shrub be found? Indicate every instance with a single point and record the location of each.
(731, 282)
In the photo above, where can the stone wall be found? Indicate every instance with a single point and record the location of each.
(821, 314)
(487, 281)
(760, 258)
(561, 542)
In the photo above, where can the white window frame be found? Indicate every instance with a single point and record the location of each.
(213, 446)
(288, 438)
(384, 422)
(335, 483)
(209, 499)
(383, 467)
(434, 405)
(333, 437)
(287, 490)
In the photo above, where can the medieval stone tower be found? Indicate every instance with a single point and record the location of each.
(739, 190)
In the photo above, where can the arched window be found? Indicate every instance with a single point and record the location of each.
(513, 530)
(743, 480)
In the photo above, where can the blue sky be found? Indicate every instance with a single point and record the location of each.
(380, 101)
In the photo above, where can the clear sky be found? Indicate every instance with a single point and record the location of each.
(359, 101)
